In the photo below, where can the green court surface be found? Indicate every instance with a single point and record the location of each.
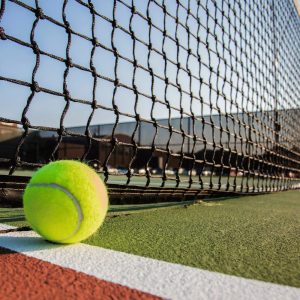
(254, 236)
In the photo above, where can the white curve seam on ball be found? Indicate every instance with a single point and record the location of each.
(72, 197)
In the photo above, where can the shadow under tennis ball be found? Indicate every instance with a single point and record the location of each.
(27, 244)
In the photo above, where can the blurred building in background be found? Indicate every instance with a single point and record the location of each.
(219, 143)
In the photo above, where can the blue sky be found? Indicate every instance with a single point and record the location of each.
(46, 109)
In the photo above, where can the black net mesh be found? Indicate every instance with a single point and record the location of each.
(162, 97)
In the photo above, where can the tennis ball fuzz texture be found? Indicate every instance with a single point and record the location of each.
(65, 201)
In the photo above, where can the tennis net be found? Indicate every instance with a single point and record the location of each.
(164, 98)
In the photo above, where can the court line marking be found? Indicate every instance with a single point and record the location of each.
(6, 227)
(167, 280)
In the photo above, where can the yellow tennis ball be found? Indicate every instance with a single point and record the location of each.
(65, 201)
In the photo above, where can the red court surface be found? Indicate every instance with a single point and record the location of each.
(23, 277)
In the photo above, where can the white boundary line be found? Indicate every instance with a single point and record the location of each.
(167, 280)
(5, 227)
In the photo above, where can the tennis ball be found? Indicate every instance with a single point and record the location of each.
(65, 201)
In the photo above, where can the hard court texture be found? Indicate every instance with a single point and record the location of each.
(151, 276)
(24, 277)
